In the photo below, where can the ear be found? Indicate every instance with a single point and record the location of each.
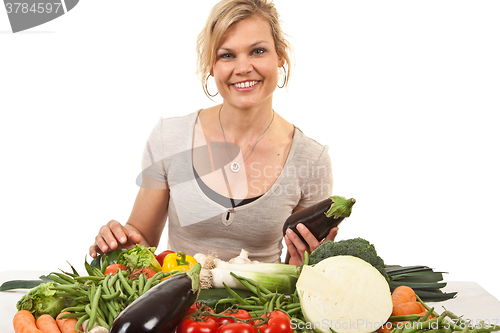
(281, 61)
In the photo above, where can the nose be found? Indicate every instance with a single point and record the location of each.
(243, 65)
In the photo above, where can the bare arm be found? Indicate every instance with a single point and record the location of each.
(144, 226)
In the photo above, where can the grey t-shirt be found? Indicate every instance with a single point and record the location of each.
(198, 224)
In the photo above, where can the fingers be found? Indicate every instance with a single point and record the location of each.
(111, 236)
(296, 247)
(331, 235)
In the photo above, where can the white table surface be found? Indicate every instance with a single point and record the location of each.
(472, 301)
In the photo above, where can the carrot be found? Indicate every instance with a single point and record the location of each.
(47, 324)
(407, 308)
(403, 294)
(24, 322)
(67, 325)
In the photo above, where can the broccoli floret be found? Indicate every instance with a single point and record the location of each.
(357, 247)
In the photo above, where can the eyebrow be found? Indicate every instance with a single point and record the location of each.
(253, 45)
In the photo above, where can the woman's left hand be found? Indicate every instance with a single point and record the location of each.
(296, 247)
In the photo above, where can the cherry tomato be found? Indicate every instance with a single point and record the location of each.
(161, 256)
(278, 322)
(148, 272)
(240, 313)
(190, 325)
(238, 327)
(113, 268)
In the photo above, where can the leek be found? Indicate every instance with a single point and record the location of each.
(217, 277)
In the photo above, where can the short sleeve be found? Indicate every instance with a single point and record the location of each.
(319, 185)
(154, 174)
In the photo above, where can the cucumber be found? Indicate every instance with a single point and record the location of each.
(211, 296)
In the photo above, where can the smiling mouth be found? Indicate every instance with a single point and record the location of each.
(246, 84)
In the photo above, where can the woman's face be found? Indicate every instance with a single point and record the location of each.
(246, 67)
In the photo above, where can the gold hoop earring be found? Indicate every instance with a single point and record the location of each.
(285, 78)
(206, 88)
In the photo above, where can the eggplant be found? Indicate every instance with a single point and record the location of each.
(321, 217)
(162, 307)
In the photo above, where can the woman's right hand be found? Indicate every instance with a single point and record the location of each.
(113, 235)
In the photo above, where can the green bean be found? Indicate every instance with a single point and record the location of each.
(93, 308)
(111, 309)
(91, 278)
(104, 265)
(97, 272)
(89, 269)
(141, 284)
(92, 293)
(56, 278)
(74, 309)
(238, 298)
(80, 322)
(293, 311)
(149, 283)
(270, 305)
(118, 286)
(291, 306)
(64, 294)
(246, 284)
(71, 315)
(124, 282)
(110, 297)
(112, 280)
(257, 285)
(411, 317)
(67, 288)
(279, 301)
(251, 307)
(102, 322)
(426, 315)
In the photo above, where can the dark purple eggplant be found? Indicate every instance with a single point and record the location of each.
(161, 308)
(321, 217)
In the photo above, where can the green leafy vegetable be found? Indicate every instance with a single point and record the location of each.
(139, 257)
(356, 247)
(42, 300)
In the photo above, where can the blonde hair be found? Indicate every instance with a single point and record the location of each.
(222, 17)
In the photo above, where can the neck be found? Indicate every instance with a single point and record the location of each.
(242, 127)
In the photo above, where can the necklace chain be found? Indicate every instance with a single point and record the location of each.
(235, 166)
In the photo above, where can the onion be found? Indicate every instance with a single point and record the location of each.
(345, 294)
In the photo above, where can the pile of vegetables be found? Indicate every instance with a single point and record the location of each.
(92, 302)
(342, 287)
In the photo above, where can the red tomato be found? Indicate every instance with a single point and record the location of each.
(189, 325)
(240, 313)
(278, 322)
(196, 306)
(113, 268)
(161, 256)
(148, 272)
(238, 327)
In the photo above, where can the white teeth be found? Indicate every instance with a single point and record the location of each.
(246, 84)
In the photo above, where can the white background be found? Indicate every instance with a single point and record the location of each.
(405, 93)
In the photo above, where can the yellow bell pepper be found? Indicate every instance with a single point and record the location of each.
(178, 262)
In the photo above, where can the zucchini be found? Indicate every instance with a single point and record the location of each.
(210, 297)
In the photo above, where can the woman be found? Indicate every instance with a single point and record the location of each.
(228, 176)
